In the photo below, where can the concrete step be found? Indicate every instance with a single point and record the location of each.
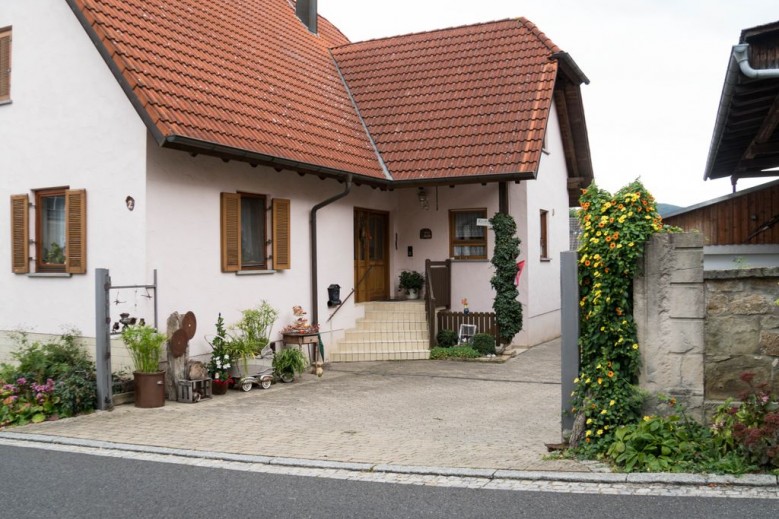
(390, 326)
(348, 356)
(392, 334)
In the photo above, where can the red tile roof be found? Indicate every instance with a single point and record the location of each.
(248, 80)
(244, 75)
(457, 102)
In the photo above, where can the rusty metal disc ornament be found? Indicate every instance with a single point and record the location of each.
(178, 342)
(189, 324)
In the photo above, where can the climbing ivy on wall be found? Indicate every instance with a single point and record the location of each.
(508, 310)
(614, 231)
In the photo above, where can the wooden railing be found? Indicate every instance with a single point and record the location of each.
(438, 291)
(485, 322)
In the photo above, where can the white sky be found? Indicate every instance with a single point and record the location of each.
(656, 69)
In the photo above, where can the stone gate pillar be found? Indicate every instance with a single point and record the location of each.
(669, 309)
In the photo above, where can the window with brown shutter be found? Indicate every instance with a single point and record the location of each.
(20, 234)
(5, 65)
(244, 236)
(60, 231)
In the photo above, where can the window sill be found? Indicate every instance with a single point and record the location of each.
(49, 275)
(465, 260)
(6, 102)
(545, 260)
(254, 272)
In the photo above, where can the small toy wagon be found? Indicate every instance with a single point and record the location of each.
(264, 379)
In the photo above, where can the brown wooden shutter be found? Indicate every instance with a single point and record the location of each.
(231, 232)
(20, 234)
(5, 64)
(282, 256)
(76, 231)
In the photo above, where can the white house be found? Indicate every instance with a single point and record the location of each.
(201, 140)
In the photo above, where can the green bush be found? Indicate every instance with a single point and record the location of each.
(457, 352)
(484, 343)
(145, 346)
(55, 378)
(446, 338)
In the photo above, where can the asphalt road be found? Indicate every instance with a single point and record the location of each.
(39, 484)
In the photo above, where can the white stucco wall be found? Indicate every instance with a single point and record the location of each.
(183, 241)
(69, 124)
(540, 283)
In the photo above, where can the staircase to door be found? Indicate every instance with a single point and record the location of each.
(391, 330)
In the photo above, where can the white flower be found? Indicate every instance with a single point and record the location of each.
(227, 366)
(216, 376)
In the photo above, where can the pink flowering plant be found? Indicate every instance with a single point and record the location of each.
(24, 402)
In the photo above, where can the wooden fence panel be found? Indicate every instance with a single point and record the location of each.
(485, 322)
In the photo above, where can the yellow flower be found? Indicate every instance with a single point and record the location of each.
(589, 433)
(589, 421)
(600, 380)
(611, 404)
(600, 432)
(603, 412)
(647, 418)
(576, 380)
(635, 346)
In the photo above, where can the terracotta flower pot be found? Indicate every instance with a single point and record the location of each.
(218, 388)
(149, 389)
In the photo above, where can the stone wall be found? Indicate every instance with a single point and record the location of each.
(742, 330)
(669, 312)
(699, 330)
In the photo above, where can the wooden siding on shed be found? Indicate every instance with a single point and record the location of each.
(731, 221)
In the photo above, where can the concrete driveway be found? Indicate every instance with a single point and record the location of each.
(421, 413)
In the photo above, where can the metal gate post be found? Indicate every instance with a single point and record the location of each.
(569, 314)
(103, 340)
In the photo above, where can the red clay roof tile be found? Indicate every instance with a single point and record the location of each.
(456, 102)
(244, 75)
(453, 103)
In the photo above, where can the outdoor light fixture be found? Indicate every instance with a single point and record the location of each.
(422, 194)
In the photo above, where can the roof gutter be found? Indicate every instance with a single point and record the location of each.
(740, 62)
(314, 256)
(741, 55)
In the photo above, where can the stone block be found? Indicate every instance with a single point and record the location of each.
(686, 336)
(769, 343)
(769, 322)
(687, 240)
(686, 301)
(688, 266)
(751, 304)
(729, 335)
(716, 303)
(691, 371)
(722, 379)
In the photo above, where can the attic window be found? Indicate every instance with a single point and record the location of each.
(5, 65)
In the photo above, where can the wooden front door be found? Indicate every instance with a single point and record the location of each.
(371, 255)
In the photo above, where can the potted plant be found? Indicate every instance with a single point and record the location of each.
(221, 360)
(145, 346)
(287, 362)
(412, 282)
(251, 336)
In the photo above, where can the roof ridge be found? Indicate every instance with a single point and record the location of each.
(522, 20)
(539, 34)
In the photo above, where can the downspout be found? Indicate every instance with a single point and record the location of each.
(312, 222)
(741, 55)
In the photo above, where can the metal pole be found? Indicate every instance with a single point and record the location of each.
(103, 340)
(569, 314)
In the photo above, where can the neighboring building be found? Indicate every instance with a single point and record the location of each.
(208, 142)
(742, 229)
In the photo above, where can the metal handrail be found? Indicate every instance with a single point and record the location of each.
(359, 282)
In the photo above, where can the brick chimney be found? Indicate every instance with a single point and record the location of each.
(306, 11)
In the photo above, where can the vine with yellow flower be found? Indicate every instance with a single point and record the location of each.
(614, 231)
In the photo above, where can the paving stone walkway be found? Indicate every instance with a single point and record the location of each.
(442, 413)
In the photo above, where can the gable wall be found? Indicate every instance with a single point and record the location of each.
(539, 289)
(69, 124)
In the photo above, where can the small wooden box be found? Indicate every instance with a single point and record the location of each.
(192, 391)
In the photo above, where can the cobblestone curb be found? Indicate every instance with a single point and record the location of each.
(746, 480)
